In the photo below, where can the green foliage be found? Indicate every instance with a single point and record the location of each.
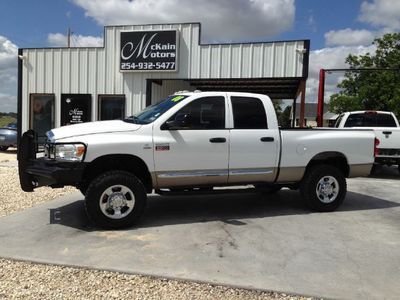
(284, 117)
(377, 90)
(277, 105)
(5, 120)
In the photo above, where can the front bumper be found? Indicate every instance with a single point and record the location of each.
(35, 172)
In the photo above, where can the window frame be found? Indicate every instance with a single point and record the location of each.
(31, 97)
(225, 107)
(231, 98)
(101, 97)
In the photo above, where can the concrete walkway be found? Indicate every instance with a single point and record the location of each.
(246, 240)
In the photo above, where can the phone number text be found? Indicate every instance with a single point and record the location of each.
(148, 66)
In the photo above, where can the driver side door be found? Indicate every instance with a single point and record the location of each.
(194, 151)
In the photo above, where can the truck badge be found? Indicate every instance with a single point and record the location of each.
(162, 147)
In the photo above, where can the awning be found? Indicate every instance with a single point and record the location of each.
(275, 88)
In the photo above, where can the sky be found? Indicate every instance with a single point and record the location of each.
(336, 28)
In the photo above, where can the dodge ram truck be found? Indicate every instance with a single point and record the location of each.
(386, 128)
(193, 142)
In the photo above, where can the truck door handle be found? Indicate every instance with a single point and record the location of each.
(218, 140)
(387, 132)
(267, 139)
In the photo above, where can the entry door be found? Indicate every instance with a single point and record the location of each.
(194, 151)
(254, 147)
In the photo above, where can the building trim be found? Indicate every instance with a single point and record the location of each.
(19, 96)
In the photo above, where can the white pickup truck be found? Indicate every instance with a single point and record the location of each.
(194, 142)
(386, 128)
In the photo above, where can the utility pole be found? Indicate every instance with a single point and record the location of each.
(69, 37)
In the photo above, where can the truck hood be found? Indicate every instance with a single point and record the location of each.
(91, 128)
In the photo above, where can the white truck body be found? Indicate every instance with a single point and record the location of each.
(193, 160)
(237, 142)
(385, 126)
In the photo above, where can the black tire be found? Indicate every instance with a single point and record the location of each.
(83, 188)
(97, 193)
(314, 193)
(376, 168)
(3, 148)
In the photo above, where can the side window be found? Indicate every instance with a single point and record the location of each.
(202, 113)
(248, 113)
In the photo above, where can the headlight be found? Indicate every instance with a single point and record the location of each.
(66, 152)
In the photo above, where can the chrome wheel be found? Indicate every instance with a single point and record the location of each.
(327, 189)
(117, 201)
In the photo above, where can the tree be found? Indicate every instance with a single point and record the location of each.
(284, 117)
(375, 90)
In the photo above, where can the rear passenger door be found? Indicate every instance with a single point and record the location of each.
(254, 148)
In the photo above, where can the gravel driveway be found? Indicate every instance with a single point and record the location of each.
(24, 280)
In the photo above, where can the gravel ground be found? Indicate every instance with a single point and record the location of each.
(24, 280)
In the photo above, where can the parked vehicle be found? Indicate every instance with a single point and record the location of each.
(386, 128)
(194, 142)
(8, 136)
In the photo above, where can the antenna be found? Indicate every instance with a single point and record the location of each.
(69, 37)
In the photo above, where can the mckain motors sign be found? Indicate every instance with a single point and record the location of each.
(149, 50)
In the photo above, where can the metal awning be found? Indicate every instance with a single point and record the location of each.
(275, 88)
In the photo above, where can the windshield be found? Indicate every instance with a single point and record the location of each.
(153, 112)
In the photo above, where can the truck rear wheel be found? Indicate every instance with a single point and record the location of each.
(323, 188)
(115, 199)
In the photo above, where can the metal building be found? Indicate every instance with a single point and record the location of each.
(141, 64)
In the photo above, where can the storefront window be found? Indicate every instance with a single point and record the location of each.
(111, 107)
(42, 113)
(75, 108)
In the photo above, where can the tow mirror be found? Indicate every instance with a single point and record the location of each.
(170, 125)
(180, 121)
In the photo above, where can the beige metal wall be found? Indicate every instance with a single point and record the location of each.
(96, 70)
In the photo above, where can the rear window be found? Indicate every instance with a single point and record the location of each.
(370, 120)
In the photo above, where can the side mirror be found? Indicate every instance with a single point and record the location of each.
(170, 125)
(180, 121)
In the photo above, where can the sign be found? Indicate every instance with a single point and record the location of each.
(149, 50)
(75, 108)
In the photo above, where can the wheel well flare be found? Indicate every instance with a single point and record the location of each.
(335, 159)
(123, 162)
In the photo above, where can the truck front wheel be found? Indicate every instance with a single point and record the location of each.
(323, 188)
(115, 199)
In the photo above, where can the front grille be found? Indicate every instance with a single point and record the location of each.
(49, 150)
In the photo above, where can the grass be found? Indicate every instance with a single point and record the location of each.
(6, 120)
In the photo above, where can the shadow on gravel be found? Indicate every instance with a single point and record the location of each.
(229, 208)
